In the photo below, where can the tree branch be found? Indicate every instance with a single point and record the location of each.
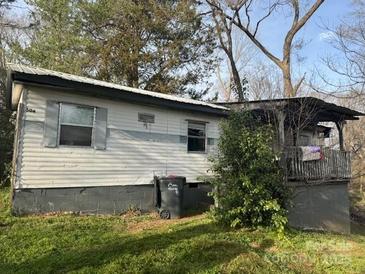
(271, 9)
(297, 86)
(297, 25)
(237, 23)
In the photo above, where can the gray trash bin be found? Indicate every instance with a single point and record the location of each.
(171, 197)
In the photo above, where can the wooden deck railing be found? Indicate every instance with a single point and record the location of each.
(335, 165)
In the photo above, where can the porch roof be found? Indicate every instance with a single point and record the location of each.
(320, 110)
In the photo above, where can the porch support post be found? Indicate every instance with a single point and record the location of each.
(340, 125)
(280, 115)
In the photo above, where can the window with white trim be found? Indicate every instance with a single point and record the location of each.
(76, 125)
(196, 136)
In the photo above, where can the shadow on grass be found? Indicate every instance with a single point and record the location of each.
(357, 228)
(194, 212)
(136, 253)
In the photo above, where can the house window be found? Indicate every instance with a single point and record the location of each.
(76, 125)
(196, 136)
(304, 140)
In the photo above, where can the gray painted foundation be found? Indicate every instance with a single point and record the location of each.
(315, 207)
(321, 207)
(101, 200)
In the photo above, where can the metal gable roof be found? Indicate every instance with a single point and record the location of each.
(60, 79)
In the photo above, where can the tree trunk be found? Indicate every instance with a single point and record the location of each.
(132, 75)
(288, 85)
(237, 80)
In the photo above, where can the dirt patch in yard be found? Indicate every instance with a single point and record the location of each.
(153, 222)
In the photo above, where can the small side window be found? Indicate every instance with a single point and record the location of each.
(196, 136)
(146, 118)
(304, 140)
(76, 125)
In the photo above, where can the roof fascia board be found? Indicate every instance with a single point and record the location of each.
(333, 116)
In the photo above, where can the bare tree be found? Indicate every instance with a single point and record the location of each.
(242, 54)
(264, 81)
(355, 143)
(239, 13)
(348, 86)
(225, 29)
(349, 64)
(7, 24)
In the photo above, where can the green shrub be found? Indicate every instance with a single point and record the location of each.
(5, 178)
(248, 183)
(6, 140)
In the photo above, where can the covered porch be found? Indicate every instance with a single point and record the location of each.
(301, 125)
(317, 168)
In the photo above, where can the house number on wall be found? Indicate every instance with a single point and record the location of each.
(30, 110)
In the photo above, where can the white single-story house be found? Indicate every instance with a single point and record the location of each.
(89, 146)
(95, 147)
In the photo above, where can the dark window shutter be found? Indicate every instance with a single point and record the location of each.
(101, 117)
(51, 124)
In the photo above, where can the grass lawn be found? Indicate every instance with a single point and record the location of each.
(145, 244)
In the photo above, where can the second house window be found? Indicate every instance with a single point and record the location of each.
(196, 136)
(76, 125)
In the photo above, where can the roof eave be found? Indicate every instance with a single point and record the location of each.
(108, 92)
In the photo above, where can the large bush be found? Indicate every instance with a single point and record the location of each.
(6, 128)
(249, 186)
(6, 145)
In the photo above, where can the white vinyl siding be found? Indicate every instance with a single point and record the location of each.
(127, 159)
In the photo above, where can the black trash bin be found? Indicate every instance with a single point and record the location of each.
(171, 192)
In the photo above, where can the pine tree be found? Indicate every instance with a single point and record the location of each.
(162, 46)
